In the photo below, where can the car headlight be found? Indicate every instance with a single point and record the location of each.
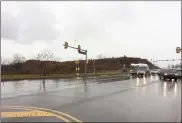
(176, 74)
(165, 74)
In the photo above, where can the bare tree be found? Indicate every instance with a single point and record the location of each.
(57, 63)
(17, 61)
(100, 56)
(44, 56)
(4, 61)
(17, 58)
(57, 59)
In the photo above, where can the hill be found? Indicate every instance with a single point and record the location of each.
(67, 67)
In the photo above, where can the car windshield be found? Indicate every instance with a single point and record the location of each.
(168, 71)
(154, 70)
(178, 71)
(142, 68)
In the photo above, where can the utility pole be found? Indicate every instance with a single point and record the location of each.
(86, 63)
(77, 68)
(94, 66)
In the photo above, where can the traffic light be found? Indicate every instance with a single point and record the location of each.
(79, 48)
(178, 49)
(65, 45)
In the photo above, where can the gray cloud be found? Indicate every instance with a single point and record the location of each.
(139, 29)
(33, 22)
(91, 21)
(9, 26)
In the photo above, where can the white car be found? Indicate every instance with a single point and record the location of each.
(154, 72)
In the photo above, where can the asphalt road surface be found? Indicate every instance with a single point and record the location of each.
(95, 100)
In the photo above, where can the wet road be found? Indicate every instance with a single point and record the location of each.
(97, 100)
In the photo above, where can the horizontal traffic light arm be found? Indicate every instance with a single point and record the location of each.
(77, 48)
(83, 52)
(167, 60)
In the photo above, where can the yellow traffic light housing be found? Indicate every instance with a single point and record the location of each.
(178, 49)
(65, 45)
(76, 62)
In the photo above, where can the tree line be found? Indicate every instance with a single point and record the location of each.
(19, 59)
(45, 56)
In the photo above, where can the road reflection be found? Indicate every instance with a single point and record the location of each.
(144, 87)
(131, 77)
(85, 85)
(43, 84)
(151, 78)
(165, 86)
(175, 89)
(156, 87)
(154, 78)
(144, 80)
(170, 88)
(138, 82)
(3, 83)
(56, 82)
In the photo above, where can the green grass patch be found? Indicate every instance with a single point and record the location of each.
(38, 76)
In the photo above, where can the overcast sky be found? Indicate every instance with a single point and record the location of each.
(150, 30)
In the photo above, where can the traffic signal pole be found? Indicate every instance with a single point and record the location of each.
(94, 66)
(80, 51)
(86, 63)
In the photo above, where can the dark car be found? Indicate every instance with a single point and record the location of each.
(168, 74)
(178, 72)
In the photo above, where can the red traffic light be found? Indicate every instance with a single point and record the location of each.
(79, 48)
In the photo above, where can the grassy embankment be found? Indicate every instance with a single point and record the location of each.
(11, 77)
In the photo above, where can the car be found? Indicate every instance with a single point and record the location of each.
(168, 74)
(178, 72)
(154, 72)
(143, 72)
(133, 72)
